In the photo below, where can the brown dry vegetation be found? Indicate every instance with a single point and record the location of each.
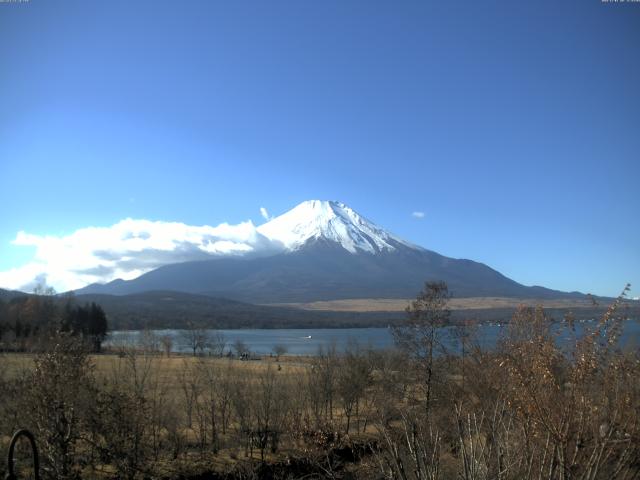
(469, 303)
(526, 410)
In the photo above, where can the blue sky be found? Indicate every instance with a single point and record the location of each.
(514, 126)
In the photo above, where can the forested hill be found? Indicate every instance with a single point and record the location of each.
(169, 309)
(177, 310)
(28, 321)
(7, 295)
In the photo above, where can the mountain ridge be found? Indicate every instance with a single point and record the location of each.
(329, 252)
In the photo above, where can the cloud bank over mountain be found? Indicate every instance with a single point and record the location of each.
(126, 250)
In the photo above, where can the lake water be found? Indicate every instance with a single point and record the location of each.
(309, 341)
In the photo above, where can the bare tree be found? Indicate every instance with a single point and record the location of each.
(190, 387)
(270, 401)
(411, 453)
(217, 343)
(59, 398)
(167, 344)
(122, 343)
(321, 384)
(419, 334)
(195, 338)
(207, 408)
(241, 348)
(279, 349)
(353, 378)
(149, 341)
(226, 375)
(122, 427)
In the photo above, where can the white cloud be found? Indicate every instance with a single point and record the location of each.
(417, 214)
(265, 214)
(125, 250)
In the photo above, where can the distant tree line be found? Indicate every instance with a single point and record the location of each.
(26, 323)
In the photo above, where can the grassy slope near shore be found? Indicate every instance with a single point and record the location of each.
(470, 303)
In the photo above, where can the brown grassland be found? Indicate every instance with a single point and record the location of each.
(468, 303)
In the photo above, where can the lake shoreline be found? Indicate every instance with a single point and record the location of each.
(305, 341)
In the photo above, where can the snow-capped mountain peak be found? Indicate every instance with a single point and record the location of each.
(332, 221)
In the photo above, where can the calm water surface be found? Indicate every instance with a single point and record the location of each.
(309, 341)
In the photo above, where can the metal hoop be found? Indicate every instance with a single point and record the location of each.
(34, 450)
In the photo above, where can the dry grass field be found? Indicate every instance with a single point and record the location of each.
(13, 363)
(399, 305)
(178, 392)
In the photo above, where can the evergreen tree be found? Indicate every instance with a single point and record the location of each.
(97, 326)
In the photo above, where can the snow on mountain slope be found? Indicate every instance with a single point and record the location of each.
(332, 221)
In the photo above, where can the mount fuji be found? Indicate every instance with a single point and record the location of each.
(326, 251)
(333, 222)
